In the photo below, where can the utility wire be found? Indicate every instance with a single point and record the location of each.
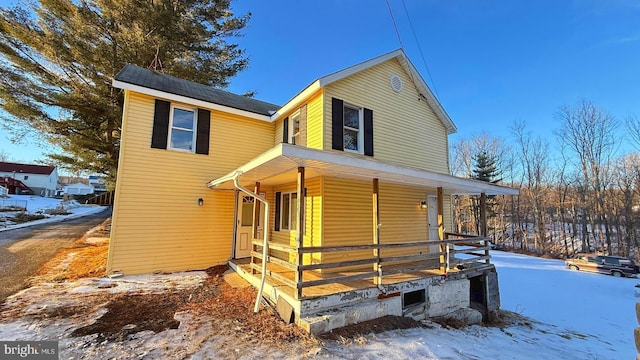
(417, 42)
(395, 25)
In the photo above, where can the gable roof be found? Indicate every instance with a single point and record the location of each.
(399, 54)
(132, 75)
(26, 168)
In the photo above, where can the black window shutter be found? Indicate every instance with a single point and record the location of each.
(285, 130)
(202, 135)
(160, 133)
(337, 119)
(368, 132)
(276, 226)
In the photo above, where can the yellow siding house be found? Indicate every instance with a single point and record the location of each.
(344, 188)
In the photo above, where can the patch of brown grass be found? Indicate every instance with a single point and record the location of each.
(235, 305)
(80, 261)
(85, 260)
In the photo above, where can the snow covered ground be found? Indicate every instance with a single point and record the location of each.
(38, 204)
(573, 315)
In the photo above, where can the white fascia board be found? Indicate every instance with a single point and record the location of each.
(297, 100)
(326, 80)
(188, 100)
(359, 166)
(293, 151)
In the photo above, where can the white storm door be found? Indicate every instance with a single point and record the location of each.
(244, 226)
(432, 210)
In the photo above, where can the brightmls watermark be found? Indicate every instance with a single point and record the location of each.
(41, 350)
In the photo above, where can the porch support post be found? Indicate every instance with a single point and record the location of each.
(440, 215)
(483, 214)
(376, 231)
(300, 228)
(256, 221)
(443, 247)
(484, 227)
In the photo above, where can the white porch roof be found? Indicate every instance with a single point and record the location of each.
(279, 165)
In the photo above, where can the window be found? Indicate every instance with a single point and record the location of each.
(352, 129)
(294, 128)
(289, 211)
(182, 129)
(26, 177)
(247, 210)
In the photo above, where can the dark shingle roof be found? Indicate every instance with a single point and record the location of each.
(135, 75)
(26, 168)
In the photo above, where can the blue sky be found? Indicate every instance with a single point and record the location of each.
(491, 62)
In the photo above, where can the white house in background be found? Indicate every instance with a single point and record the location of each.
(41, 179)
(78, 189)
(98, 184)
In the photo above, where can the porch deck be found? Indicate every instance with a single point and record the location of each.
(329, 295)
(341, 286)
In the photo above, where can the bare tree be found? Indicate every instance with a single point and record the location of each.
(534, 160)
(589, 132)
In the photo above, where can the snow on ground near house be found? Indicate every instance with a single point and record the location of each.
(574, 315)
(38, 204)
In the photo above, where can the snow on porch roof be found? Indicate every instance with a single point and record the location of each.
(279, 165)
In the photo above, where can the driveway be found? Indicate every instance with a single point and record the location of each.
(23, 251)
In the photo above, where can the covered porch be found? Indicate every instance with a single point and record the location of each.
(311, 279)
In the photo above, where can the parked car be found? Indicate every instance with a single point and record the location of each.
(610, 265)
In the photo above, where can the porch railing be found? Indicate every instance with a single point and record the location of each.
(473, 249)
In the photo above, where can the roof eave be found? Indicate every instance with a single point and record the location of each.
(187, 100)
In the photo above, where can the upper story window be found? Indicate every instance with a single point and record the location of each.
(294, 128)
(183, 124)
(180, 128)
(352, 129)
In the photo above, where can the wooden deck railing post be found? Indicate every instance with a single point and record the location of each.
(484, 227)
(376, 232)
(300, 228)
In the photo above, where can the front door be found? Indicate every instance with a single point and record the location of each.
(244, 226)
(432, 210)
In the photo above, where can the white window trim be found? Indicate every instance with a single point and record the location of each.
(194, 131)
(360, 130)
(292, 209)
(291, 134)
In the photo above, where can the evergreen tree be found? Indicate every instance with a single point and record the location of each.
(484, 169)
(58, 58)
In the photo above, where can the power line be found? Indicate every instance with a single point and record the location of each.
(395, 25)
(417, 42)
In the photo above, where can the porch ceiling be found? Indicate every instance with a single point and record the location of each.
(279, 165)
